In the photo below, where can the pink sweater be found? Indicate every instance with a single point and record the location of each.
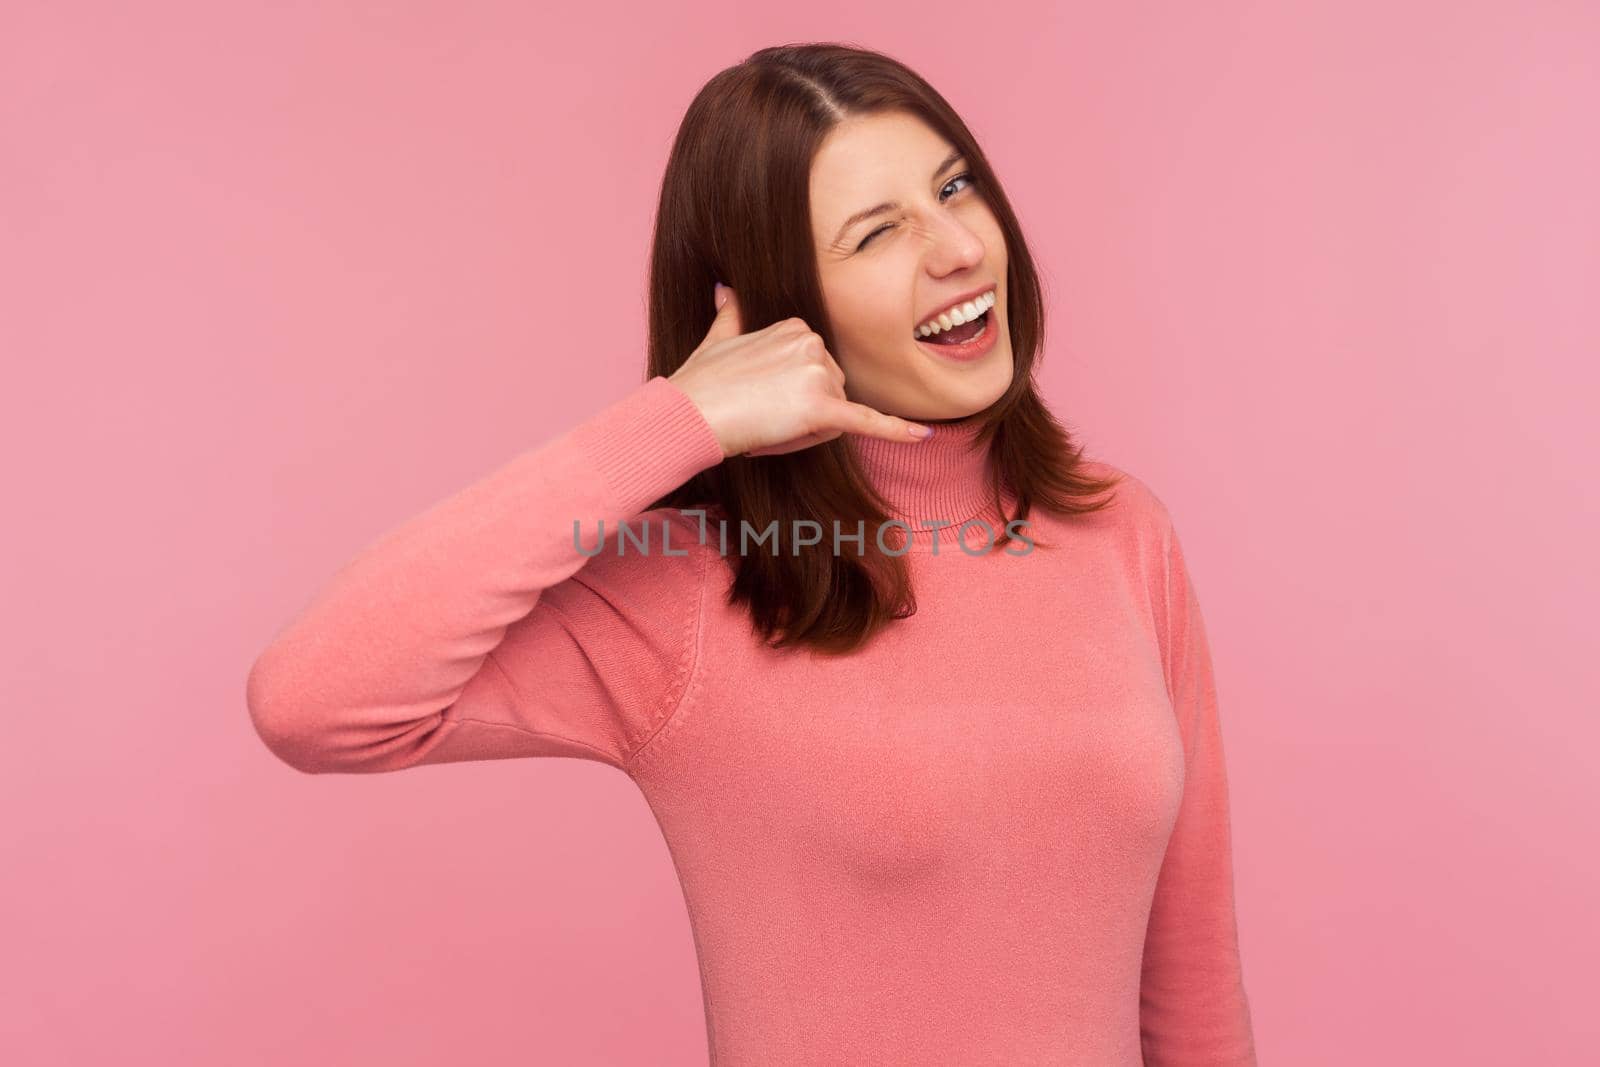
(999, 834)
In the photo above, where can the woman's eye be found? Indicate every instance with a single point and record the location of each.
(967, 175)
(865, 240)
(964, 174)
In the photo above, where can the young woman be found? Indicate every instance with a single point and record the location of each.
(928, 722)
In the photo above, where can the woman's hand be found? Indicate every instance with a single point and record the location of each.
(776, 390)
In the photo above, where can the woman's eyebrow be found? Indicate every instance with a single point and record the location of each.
(890, 205)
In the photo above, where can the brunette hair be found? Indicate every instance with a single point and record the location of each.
(735, 206)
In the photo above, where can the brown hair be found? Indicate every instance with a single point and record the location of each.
(736, 207)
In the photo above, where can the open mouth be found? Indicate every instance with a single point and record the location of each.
(962, 334)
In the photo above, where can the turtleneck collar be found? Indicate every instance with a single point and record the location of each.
(943, 479)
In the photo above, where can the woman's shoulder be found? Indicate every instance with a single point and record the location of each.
(1134, 507)
(641, 563)
(1132, 534)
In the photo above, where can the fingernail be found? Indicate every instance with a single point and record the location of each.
(719, 294)
(920, 431)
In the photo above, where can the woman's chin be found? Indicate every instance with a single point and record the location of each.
(987, 376)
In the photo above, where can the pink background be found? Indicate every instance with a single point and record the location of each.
(278, 276)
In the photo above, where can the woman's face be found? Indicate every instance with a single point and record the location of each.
(885, 275)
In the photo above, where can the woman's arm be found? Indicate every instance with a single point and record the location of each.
(477, 630)
(1193, 1007)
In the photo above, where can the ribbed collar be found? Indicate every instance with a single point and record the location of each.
(943, 479)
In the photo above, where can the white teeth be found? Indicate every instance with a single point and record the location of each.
(957, 315)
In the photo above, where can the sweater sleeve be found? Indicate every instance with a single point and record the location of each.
(1193, 1006)
(479, 630)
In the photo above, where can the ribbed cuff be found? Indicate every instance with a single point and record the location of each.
(648, 443)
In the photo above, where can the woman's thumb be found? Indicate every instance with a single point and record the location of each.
(727, 322)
